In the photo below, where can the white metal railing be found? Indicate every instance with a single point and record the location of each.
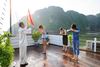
(91, 44)
(15, 41)
(54, 39)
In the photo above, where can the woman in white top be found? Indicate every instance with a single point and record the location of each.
(44, 41)
(22, 44)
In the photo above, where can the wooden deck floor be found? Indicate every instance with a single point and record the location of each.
(54, 58)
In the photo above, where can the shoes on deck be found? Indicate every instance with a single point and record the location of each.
(44, 52)
(23, 65)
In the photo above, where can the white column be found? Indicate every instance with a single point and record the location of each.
(95, 39)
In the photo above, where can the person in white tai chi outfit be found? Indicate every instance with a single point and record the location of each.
(22, 44)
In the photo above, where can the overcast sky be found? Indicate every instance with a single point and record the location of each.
(20, 7)
(86, 7)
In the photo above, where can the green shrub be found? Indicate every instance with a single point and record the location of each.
(36, 35)
(6, 50)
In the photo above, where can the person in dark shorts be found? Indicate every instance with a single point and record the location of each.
(63, 32)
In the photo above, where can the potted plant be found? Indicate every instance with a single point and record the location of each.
(36, 35)
(6, 50)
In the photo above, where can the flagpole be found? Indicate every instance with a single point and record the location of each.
(10, 18)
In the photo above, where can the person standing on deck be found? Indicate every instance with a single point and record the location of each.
(70, 39)
(63, 32)
(22, 44)
(75, 39)
(44, 37)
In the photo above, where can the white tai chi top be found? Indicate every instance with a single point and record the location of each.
(22, 37)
